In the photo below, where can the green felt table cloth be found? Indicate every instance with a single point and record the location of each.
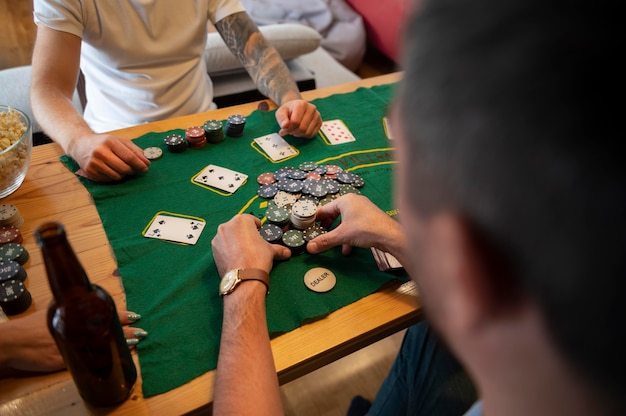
(175, 287)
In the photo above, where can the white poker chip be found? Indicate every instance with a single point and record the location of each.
(152, 153)
(320, 279)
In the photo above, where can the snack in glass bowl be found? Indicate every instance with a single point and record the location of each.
(16, 142)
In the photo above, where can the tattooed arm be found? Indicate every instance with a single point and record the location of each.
(272, 77)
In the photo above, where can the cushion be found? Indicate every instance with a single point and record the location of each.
(384, 21)
(290, 40)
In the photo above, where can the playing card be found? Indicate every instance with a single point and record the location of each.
(385, 261)
(336, 132)
(221, 178)
(179, 229)
(387, 127)
(276, 147)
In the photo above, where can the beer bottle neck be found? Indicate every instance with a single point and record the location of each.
(65, 273)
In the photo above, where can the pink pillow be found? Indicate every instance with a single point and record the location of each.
(383, 22)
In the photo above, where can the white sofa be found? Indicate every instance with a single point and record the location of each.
(310, 65)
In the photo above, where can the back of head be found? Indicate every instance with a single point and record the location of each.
(513, 113)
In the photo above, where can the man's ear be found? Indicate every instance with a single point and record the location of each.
(475, 277)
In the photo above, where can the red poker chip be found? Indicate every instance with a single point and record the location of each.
(332, 170)
(266, 178)
(194, 132)
(313, 175)
(10, 234)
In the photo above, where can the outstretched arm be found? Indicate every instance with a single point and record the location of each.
(55, 69)
(272, 77)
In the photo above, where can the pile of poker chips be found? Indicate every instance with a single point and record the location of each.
(196, 137)
(175, 143)
(14, 297)
(294, 195)
(235, 125)
(214, 131)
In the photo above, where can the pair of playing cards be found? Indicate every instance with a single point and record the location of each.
(218, 178)
(175, 228)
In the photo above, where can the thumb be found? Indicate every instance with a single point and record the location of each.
(323, 242)
(281, 252)
(282, 116)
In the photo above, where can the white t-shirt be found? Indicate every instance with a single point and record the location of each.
(142, 59)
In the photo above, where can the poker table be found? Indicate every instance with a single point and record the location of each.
(51, 192)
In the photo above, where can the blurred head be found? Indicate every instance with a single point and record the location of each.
(509, 118)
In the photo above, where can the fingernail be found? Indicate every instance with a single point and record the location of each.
(140, 334)
(134, 317)
(131, 342)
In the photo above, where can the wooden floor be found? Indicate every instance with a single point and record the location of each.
(327, 391)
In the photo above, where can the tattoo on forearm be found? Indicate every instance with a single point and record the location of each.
(260, 59)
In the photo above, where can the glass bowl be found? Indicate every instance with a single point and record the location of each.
(16, 143)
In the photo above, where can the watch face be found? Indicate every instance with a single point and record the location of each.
(228, 281)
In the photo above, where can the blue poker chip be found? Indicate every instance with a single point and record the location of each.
(317, 189)
(321, 169)
(345, 177)
(297, 174)
(271, 233)
(331, 186)
(282, 173)
(358, 181)
(267, 191)
(11, 270)
(290, 185)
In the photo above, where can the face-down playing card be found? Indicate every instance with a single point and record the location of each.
(221, 178)
(174, 227)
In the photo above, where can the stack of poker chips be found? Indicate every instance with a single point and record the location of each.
(294, 194)
(196, 137)
(14, 297)
(10, 216)
(12, 270)
(303, 213)
(10, 234)
(214, 131)
(235, 125)
(14, 252)
(175, 143)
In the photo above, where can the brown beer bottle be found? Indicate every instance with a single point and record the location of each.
(84, 323)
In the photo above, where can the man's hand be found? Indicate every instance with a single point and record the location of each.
(298, 118)
(238, 244)
(104, 157)
(363, 224)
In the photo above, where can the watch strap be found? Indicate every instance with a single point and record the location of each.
(254, 274)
